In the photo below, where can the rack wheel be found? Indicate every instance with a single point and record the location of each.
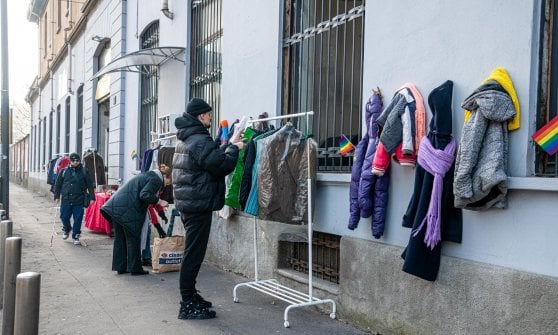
(286, 324)
(332, 315)
(235, 299)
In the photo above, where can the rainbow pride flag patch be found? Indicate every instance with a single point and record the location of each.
(547, 136)
(345, 146)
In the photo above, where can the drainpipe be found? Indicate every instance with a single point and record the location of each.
(68, 30)
(166, 10)
(69, 83)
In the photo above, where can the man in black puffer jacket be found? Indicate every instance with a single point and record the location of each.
(199, 169)
(73, 185)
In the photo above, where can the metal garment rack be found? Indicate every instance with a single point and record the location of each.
(271, 286)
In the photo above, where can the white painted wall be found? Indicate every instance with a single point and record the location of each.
(250, 58)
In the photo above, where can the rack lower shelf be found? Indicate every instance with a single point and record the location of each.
(293, 297)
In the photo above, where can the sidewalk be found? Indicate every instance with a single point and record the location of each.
(81, 295)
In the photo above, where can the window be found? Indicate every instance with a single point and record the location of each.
(102, 96)
(50, 121)
(79, 121)
(38, 146)
(59, 21)
(67, 112)
(205, 54)
(45, 159)
(35, 151)
(45, 35)
(547, 165)
(58, 139)
(322, 72)
(149, 87)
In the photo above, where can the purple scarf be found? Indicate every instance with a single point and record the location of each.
(437, 163)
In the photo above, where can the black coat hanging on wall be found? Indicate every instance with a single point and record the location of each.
(419, 259)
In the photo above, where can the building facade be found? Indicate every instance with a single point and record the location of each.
(96, 90)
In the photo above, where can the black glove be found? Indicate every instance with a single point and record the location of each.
(160, 230)
(163, 216)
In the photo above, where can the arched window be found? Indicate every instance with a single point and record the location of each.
(148, 90)
(102, 95)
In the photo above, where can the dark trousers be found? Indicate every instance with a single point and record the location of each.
(126, 251)
(197, 226)
(66, 212)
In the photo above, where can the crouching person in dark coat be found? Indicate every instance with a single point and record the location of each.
(126, 211)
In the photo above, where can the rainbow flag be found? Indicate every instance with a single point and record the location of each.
(345, 146)
(134, 154)
(547, 136)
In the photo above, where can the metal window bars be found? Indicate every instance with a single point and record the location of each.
(322, 62)
(271, 286)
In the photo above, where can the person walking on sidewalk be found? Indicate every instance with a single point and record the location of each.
(126, 211)
(199, 169)
(73, 189)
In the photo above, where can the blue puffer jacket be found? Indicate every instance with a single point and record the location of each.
(369, 193)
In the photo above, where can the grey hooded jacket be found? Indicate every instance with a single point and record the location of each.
(482, 159)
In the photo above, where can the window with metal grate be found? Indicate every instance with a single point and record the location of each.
(205, 57)
(322, 72)
(149, 84)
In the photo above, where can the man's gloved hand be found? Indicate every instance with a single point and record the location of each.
(163, 216)
(160, 230)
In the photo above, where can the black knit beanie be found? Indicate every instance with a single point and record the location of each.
(74, 156)
(197, 106)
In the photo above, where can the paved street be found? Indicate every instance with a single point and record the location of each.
(81, 295)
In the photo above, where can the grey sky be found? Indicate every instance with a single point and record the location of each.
(22, 52)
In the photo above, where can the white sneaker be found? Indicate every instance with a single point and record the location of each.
(76, 241)
(65, 236)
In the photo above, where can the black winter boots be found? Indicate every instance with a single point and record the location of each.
(193, 309)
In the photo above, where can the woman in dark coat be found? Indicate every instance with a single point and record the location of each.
(126, 211)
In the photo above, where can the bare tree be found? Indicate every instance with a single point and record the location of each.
(21, 120)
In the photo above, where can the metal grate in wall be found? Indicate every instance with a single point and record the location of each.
(325, 254)
(205, 54)
(322, 72)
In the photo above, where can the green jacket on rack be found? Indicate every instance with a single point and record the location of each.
(233, 191)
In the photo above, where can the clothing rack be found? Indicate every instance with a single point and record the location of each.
(271, 286)
(94, 151)
(165, 140)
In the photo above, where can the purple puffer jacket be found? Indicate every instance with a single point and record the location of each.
(369, 193)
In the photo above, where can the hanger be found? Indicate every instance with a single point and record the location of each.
(378, 92)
